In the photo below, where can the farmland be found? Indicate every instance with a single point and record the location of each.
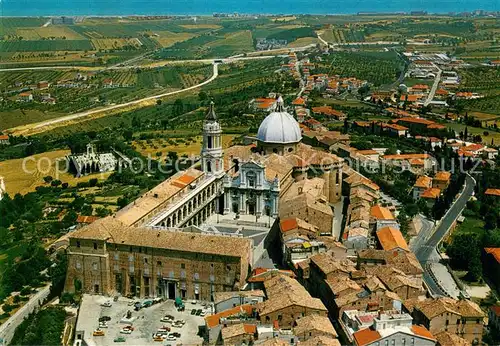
(181, 145)
(24, 178)
(127, 85)
(45, 45)
(378, 68)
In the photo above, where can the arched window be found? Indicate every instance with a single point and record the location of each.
(275, 150)
(251, 179)
(209, 166)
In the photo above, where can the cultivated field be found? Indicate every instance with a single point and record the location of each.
(24, 178)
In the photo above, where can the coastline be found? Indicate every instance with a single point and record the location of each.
(250, 15)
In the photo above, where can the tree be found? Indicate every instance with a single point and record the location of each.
(128, 135)
(47, 179)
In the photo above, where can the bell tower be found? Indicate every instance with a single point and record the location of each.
(212, 162)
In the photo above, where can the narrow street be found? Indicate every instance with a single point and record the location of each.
(430, 97)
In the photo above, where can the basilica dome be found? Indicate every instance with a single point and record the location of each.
(279, 127)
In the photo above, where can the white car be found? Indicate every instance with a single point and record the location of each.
(203, 313)
(107, 304)
(103, 325)
(126, 331)
(170, 337)
(166, 320)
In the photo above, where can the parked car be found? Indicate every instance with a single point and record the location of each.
(164, 329)
(104, 318)
(107, 304)
(119, 339)
(171, 337)
(103, 325)
(198, 312)
(176, 334)
(126, 331)
(98, 332)
(203, 313)
(193, 311)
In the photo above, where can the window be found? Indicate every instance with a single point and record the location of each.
(280, 317)
(212, 278)
(145, 260)
(94, 266)
(447, 322)
(131, 258)
(228, 267)
(116, 268)
(458, 321)
(211, 265)
(183, 266)
(131, 269)
(117, 256)
(183, 274)
(196, 276)
(78, 265)
(78, 244)
(158, 263)
(95, 246)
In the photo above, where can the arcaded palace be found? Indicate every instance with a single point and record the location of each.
(203, 229)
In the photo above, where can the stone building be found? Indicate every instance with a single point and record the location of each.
(461, 317)
(108, 257)
(93, 162)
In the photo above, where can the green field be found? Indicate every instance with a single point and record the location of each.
(378, 68)
(45, 45)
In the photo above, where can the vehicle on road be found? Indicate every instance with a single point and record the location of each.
(107, 304)
(119, 339)
(104, 318)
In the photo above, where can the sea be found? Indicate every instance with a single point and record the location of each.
(209, 7)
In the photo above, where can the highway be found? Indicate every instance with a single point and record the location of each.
(8, 328)
(427, 253)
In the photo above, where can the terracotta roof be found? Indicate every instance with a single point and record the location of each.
(422, 331)
(114, 232)
(368, 152)
(4, 137)
(391, 238)
(406, 156)
(442, 176)
(381, 213)
(275, 342)
(431, 193)
(473, 147)
(494, 251)
(366, 336)
(299, 101)
(214, 320)
(442, 92)
(314, 322)
(435, 307)
(263, 274)
(423, 182)
(410, 98)
(86, 219)
(282, 292)
(416, 121)
(321, 340)
(239, 329)
(450, 339)
(420, 86)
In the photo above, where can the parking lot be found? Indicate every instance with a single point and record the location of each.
(145, 322)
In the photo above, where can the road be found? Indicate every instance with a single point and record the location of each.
(427, 252)
(8, 328)
(122, 105)
(430, 97)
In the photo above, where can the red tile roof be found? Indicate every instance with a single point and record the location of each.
(431, 193)
(416, 121)
(494, 251)
(492, 192)
(4, 137)
(86, 219)
(391, 238)
(214, 320)
(422, 331)
(381, 213)
(366, 336)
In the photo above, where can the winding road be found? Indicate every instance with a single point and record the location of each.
(131, 103)
(427, 252)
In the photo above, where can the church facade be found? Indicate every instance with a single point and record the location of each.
(278, 174)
